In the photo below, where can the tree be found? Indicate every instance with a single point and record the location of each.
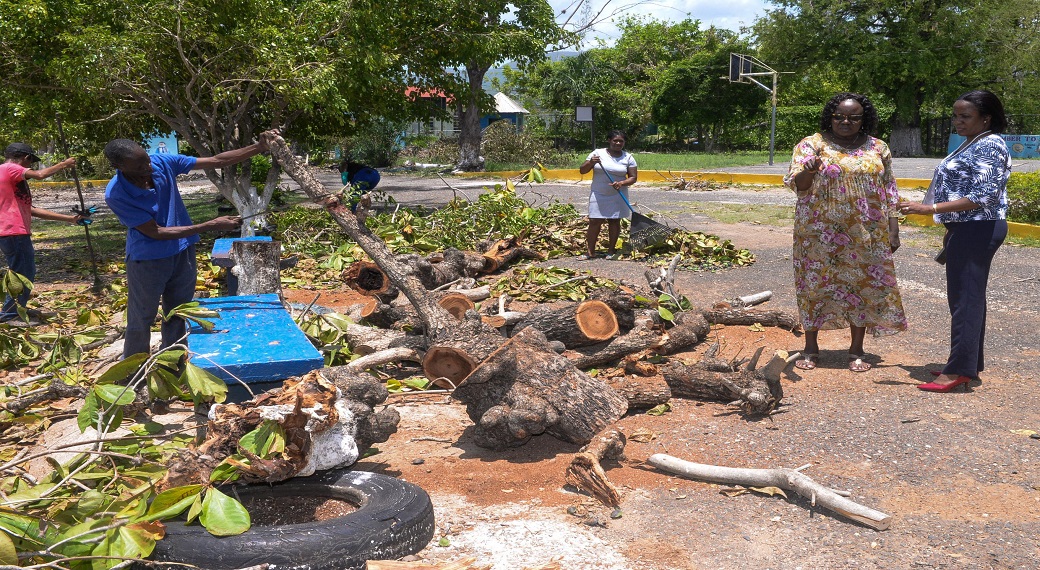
(470, 38)
(218, 72)
(912, 53)
(694, 97)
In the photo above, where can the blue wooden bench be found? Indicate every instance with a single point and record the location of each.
(255, 340)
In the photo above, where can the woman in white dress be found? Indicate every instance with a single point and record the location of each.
(617, 170)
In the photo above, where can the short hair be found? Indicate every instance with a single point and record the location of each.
(988, 105)
(617, 133)
(117, 151)
(870, 116)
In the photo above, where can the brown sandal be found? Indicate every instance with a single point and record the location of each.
(857, 364)
(808, 361)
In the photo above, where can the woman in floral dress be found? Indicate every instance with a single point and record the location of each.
(845, 230)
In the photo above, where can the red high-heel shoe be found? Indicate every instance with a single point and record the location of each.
(934, 387)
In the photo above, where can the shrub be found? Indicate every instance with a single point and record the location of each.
(1024, 197)
(503, 144)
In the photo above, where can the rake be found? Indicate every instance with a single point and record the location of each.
(644, 232)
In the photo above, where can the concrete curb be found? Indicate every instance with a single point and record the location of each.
(657, 176)
(1015, 229)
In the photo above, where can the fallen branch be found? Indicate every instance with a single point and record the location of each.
(782, 478)
(586, 473)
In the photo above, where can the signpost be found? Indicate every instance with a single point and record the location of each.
(586, 115)
(741, 70)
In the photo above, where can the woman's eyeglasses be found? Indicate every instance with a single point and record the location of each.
(842, 118)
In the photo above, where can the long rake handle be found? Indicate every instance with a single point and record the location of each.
(620, 193)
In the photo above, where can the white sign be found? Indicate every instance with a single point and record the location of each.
(583, 114)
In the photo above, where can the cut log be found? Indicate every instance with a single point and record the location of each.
(789, 479)
(575, 324)
(621, 301)
(755, 393)
(367, 340)
(446, 366)
(524, 389)
(642, 337)
(724, 314)
(641, 392)
(498, 254)
(688, 328)
(368, 279)
(586, 471)
(456, 303)
(256, 267)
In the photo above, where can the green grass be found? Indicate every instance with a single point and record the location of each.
(682, 161)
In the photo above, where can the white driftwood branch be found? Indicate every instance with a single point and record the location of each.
(751, 300)
(788, 479)
(383, 357)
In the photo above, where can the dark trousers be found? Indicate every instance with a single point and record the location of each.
(970, 247)
(21, 258)
(173, 280)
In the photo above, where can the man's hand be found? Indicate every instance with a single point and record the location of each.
(224, 224)
(267, 138)
(67, 163)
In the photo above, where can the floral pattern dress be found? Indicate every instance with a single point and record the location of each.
(844, 274)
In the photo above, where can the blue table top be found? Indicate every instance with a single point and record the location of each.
(253, 339)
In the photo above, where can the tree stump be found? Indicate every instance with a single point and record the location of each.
(368, 279)
(577, 324)
(524, 389)
(256, 267)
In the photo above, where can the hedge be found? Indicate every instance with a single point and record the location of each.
(1024, 197)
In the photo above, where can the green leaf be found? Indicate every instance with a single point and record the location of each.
(659, 410)
(115, 394)
(123, 370)
(444, 542)
(8, 555)
(226, 472)
(196, 508)
(147, 428)
(172, 502)
(222, 515)
(665, 314)
(204, 386)
(88, 413)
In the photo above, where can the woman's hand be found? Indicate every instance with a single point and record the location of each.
(915, 208)
(813, 164)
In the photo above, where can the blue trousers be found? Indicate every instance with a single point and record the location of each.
(173, 280)
(970, 247)
(21, 258)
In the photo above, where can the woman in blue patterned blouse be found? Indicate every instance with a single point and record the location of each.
(970, 199)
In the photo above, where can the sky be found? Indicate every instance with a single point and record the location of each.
(729, 14)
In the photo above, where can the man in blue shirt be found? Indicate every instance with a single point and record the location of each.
(160, 236)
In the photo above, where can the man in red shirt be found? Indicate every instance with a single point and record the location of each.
(17, 211)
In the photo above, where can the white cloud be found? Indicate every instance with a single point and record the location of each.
(729, 14)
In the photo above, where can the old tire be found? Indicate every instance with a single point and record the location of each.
(394, 518)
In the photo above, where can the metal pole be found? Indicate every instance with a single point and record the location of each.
(772, 126)
(98, 284)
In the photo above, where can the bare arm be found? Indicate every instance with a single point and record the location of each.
(50, 170)
(227, 158)
(155, 231)
(958, 205)
(55, 216)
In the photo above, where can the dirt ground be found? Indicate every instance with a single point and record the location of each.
(957, 472)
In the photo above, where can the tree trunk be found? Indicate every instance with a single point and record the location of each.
(577, 324)
(642, 392)
(524, 389)
(757, 392)
(256, 266)
(469, 119)
(906, 138)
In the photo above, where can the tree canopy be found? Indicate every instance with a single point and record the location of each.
(913, 54)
